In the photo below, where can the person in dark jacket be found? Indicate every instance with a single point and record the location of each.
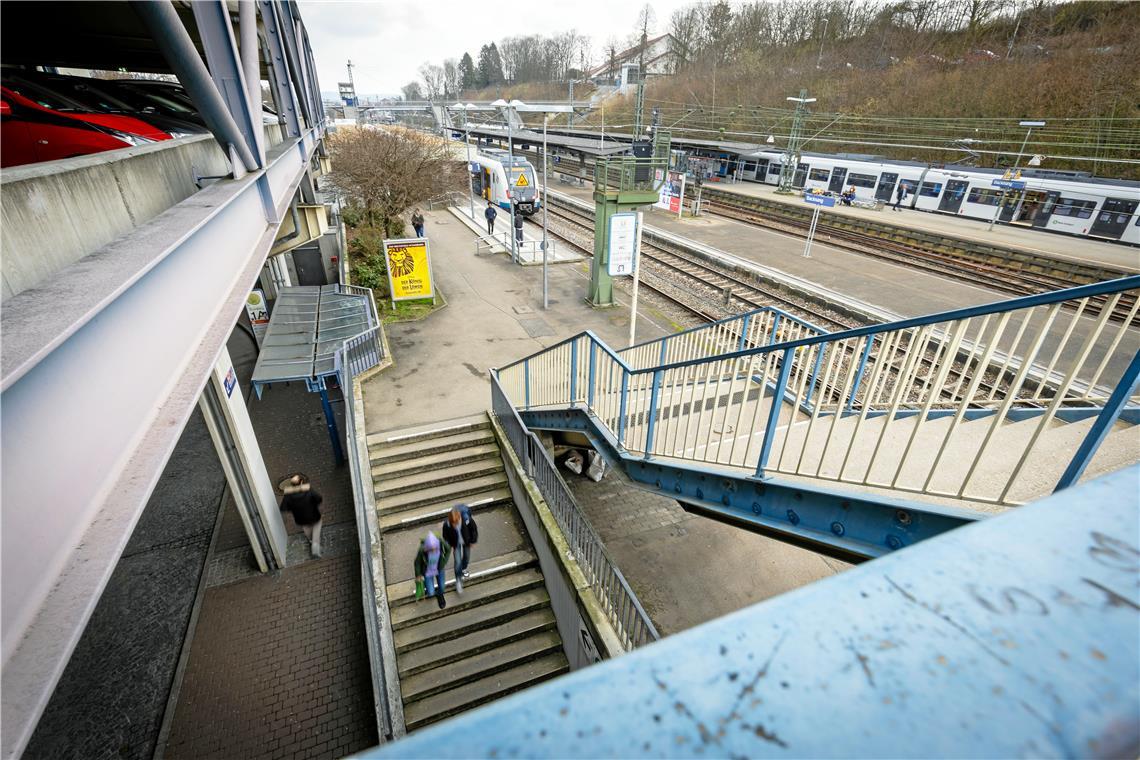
(518, 226)
(490, 215)
(431, 566)
(305, 504)
(461, 533)
(418, 222)
(900, 196)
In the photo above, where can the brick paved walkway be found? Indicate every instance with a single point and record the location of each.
(278, 665)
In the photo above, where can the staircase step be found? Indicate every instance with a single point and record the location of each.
(453, 492)
(472, 619)
(481, 571)
(435, 461)
(387, 486)
(393, 438)
(426, 658)
(473, 596)
(434, 513)
(454, 673)
(424, 711)
(405, 450)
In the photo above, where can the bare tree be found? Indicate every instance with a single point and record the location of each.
(451, 78)
(386, 172)
(412, 91)
(433, 80)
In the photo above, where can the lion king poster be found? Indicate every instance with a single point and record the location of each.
(409, 269)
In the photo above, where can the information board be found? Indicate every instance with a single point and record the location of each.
(622, 239)
(672, 193)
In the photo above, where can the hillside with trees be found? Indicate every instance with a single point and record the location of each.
(925, 79)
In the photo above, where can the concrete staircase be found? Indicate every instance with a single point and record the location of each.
(499, 636)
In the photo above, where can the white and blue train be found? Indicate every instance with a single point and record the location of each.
(500, 181)
(1072, 203)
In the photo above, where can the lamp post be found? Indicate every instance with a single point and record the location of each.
(545, 253)
(1016, 165)
(467, 144)
(506, 107)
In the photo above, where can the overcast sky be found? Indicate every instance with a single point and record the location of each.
(387, 40)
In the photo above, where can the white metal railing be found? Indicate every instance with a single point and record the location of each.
(919, 405)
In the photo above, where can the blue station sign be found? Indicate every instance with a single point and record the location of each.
(1009, 184)
(827, 201)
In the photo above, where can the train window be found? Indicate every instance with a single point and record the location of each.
(1074, 208)
(819, 175)
(862, 180)
(983, 196)
(932, 189)
(774, 168)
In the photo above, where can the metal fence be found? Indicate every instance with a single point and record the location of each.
(625, 613)
(919, 405)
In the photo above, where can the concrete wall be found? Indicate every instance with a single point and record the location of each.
(55, 213)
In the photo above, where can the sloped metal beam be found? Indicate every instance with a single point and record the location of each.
(100, 371)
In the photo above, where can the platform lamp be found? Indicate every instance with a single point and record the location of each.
(1016, 165)
(506, 109)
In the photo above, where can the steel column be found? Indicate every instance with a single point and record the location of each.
(278, 65)
(330, 423)
(653, 398)
(573, 371)
(859, 372)
(774, 412)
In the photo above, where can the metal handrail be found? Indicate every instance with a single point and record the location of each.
(621, 605)
(829, 406)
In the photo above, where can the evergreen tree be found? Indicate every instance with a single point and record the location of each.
(483, 74)
(467, 73)
(495, 73)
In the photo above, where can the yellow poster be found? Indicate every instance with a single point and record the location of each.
(409, 269)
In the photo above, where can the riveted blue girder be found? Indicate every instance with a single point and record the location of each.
(1012, 637)
(844, 523)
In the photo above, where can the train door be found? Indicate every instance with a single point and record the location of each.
(1046, 209)
(799, 179)
(761, 170)
(886, 189)
(1030, 205)
(952, 198)
(487, 184)
(838, 175)
(476, 177)
(1008, 204)
(1113, 218)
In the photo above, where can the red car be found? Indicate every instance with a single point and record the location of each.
(37, 125)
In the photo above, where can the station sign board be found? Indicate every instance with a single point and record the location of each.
(622, 239)
(813, 199)
(258, 313)
(1009, 184)
(409, 269)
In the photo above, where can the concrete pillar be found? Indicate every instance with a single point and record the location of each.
(223, 405)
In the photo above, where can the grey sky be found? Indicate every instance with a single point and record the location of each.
(387, 40)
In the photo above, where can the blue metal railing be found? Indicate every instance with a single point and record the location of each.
(915, 405)
(624, 611)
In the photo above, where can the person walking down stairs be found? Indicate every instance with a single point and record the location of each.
(431, 568)
(461, 533)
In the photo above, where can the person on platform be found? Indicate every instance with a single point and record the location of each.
(431, 568)
(418, 222)
(490, 215)
(847, 196)
(461, 533)
(518, 226)
(305, 504)
(900, 196)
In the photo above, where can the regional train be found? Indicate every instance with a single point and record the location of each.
(489, 178)
(1072, 203)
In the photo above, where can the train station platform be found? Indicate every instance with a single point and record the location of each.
(1084, 250)
(493, 316)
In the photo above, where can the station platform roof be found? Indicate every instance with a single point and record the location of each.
(590, 145)
(727, 146)
(308, 325)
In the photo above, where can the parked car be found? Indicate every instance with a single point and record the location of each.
(36, 125)
(89, 94)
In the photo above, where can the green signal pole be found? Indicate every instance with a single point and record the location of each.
(621, 183)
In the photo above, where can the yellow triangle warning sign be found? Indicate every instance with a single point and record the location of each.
(522, 181)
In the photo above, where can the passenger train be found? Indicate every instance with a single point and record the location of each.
(1072, 203)
(489, 179)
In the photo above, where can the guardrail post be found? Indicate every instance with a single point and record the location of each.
(653, 397)
(573, 371)
(859, 372)
(1128, 384)
(593, 367)
(621, 410)
(815, 373)
(775, 329)
(526, 383)
(664, 346)
(744, 331)
(774, 413)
